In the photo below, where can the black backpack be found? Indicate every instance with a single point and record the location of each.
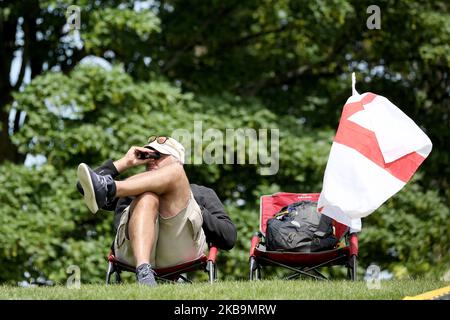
(299, 227)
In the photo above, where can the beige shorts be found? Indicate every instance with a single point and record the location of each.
(177, 239)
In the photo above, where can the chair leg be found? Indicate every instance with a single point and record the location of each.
(294, 275)
(321, 276)
(212, 272)
(255, 269)
(258, 272)
(252, 269)
(118, 277)
(352, 268)
(109, 272)
(215, 271)
(183, 278)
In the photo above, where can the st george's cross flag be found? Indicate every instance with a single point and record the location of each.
(376, 151)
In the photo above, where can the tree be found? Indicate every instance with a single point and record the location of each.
(258, 65)
(35, 31)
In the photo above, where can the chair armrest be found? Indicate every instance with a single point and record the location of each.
(212, 254)
(353, 239)
(254, 243)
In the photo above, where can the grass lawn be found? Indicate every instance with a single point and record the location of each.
(238, 290)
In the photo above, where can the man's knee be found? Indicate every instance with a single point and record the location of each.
(176, 174)
(147, 201)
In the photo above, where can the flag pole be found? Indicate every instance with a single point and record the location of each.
(354, 92)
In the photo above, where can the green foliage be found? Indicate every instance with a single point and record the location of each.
(46, 227)
(409, 235)
(115, 29)
(258, 65)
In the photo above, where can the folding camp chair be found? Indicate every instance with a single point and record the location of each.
(300, 263)
(171, 274)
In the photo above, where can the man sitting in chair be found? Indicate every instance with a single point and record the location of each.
(161, 220)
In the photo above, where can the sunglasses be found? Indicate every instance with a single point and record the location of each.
(160, 140)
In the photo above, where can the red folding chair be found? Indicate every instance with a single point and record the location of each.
(300, 263)
(171, 274)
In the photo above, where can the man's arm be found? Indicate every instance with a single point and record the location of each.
(130, 159)
(115, 168)
(217, 225)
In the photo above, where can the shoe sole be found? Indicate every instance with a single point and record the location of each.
(86, 183)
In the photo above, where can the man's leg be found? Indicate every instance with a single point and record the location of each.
(158, 181)
(141, 226)
(169, 183)
(141, 231)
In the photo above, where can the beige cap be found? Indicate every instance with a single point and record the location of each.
(171, 146)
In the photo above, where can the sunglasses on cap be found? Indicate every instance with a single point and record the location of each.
(154, 154)
(160, 140)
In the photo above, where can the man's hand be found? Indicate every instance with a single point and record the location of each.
(130, 159)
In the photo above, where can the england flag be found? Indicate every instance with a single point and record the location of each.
(376, 151)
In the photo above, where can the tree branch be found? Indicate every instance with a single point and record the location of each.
(294, 74)
(36, 59)
(25, 54)
(213, 19)
(17, 121)
(254, 88)
(244, 40)
(7, 48)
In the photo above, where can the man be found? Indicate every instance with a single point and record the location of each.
(161, 220)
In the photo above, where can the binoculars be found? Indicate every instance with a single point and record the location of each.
(148, 155)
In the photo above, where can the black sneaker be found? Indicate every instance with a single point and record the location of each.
(80, 188)
(98, 190)
(145, 275)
